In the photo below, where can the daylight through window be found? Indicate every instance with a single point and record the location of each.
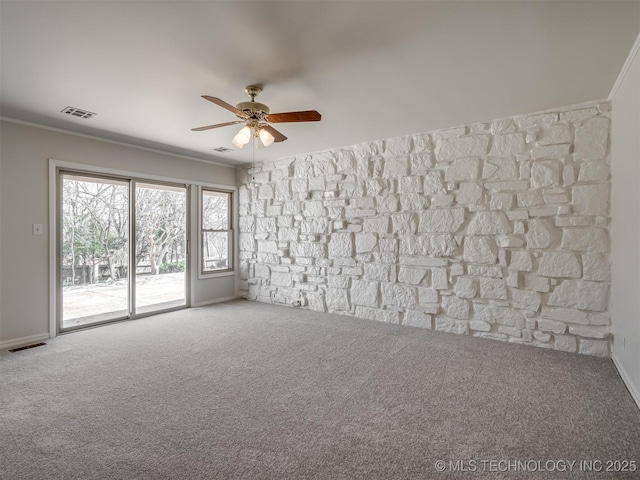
(217, 231)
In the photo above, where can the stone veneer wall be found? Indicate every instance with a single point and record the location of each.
(496, 229)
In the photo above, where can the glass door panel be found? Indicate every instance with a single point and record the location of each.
(160, 247)
(94, 219)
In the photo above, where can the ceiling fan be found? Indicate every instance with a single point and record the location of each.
(256, 117)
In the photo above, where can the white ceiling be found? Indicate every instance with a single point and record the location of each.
(373, 69)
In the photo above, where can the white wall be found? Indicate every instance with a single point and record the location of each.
(25, 152)
(625, 227)
(496, 229)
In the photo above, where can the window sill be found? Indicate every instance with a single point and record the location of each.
(223, 273)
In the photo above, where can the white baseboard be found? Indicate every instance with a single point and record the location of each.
(217, 300)
(625, 378)
(21, 342)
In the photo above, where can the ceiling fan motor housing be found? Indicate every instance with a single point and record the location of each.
(254, 109)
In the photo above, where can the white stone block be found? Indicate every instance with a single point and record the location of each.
(559, 264)
(500, 169)
(398, 295)
(587, 240)
(493, 288)
(565, 343)
(525, 299)
(591, 199)
(508, 144)
(480, 326)
(455, 307)
(553, 134)
(529, 198)
(403, 223)
(537, 284)
(499, 314)
(545, 174)
(501, 201)
(280, 279)
(553, 326)
(479, 250)
(334, 281)
(266, 225)
(538, 234)
(503, 125)
(376, 225)
(537, 119)
(512, 332)
(364, 293)
(288, 234)
(336, 299)
(465, 288)
(460, 147)
(550, 151)
(439, 280)
(591, 140)
(442, 201)
(509, 241)
(596, 267)
(396, 146)
(307, 249)
(463, 169)
(450, 133)
(541, 336)
(365, 242)
(469, 193)
(450, 325)
(589, 332)
(489, 223)
(381, 273)
(432, 184)
(411, 276)
(414, 318)
(567, 315)
(341, 245)
(413, 201)
(594, 172)
(441, 220)
(580, 294)
(411, 184)
(315, 225)
(598, 348)
(396, 167)
(387, 203)
(578, 115)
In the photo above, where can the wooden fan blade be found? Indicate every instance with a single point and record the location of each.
(225, 105)
(276, 134)
(209, 127)
(306, 116)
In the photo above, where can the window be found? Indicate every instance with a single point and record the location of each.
(216, 230)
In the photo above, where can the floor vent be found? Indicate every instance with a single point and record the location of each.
(223, 150)
(77, 112)
(12, 350)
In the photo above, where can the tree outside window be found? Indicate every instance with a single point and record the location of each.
(216, 228)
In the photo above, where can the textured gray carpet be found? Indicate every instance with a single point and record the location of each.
(248, 390)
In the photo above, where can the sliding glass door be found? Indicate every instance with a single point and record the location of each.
(122, 248)
(95, 250)
(161, 248)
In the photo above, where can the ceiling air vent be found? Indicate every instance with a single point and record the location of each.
(77, 112)
(223, 150)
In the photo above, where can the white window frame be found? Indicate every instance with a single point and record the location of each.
(231, 233)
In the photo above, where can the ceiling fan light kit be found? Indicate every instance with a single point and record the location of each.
(256, 117)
